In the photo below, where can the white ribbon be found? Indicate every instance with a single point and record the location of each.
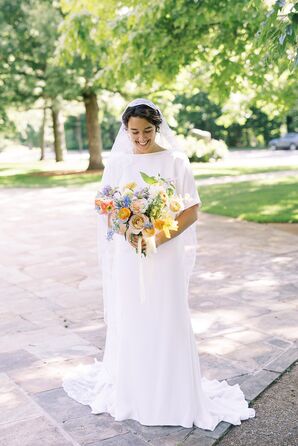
(141, 272)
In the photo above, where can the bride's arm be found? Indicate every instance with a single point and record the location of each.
(185, 219)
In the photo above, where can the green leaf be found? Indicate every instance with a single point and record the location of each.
(148, 179)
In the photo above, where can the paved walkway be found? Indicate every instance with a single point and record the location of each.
(243, 297)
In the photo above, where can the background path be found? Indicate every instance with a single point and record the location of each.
(243, 298)
(276, 423)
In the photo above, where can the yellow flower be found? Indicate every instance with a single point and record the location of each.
(163, 196)
(167, 224)
(130, 186)
(158, 224)
(124, 213)
(175, 205)
(148, 232)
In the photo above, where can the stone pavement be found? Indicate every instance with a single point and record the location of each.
(243, 298)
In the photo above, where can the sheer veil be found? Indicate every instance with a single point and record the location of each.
(165, 138)
(122, 147)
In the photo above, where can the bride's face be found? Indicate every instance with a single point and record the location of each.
(142, 134)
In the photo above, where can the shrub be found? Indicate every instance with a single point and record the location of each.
(201, 150)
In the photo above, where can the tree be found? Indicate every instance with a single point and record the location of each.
(28, 31)
(85, 41)
(278, 35)
(216, 45)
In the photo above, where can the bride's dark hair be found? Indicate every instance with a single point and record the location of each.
(142, 111)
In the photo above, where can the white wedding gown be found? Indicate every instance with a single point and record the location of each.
(150, 370)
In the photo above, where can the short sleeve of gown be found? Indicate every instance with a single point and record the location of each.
(111, 172)
(186, 184)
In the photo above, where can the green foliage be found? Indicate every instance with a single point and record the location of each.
(85, 40)
(155, 39)
(109, 127)
(70, 48)
(278, 35)
(198, 111)
(28, 31)
(6, 125)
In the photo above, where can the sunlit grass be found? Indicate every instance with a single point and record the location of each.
(47, 174)
(29, 174)
(266, 200)
(263, 201)
(202, 171)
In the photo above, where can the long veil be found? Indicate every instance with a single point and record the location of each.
(122, 147)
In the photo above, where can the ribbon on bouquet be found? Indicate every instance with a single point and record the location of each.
(141, 271)
(150, 248)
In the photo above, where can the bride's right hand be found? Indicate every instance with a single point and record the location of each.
(133, 241)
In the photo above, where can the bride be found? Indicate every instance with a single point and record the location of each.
(150, 370)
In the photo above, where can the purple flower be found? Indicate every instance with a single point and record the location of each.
(107, 190)
(110, 234)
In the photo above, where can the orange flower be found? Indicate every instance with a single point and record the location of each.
(158, 224)
(98, 202)
(107, 206)
(124, 213)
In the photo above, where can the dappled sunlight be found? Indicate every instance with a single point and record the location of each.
(260, 284)
(271, 209)
(245, 336)
(291, 332)
(229, 316)
(202, 322)
(282, 260)
(91, 328)
(218, 346)
(255, 200)
(10, 399)
(217, 275)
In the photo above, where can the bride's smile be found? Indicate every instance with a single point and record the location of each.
(142, 134)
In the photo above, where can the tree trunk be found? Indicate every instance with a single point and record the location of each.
(78, 133)
(93, 132)
(58, 132)
(41, 134)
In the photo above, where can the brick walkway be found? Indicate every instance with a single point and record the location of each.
(242, 300)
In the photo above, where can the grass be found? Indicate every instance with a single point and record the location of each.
(262, 201)
(207, 171)
(46, 174)
(51, 174)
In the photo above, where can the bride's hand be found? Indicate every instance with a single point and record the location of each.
(159, 238)
(133, 240)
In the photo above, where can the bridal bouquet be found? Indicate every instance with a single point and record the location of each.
(141, 211)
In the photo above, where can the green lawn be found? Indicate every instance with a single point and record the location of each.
(270, 200)
(33, 174)
(46, 174)
(202, 171)
(263, 201)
